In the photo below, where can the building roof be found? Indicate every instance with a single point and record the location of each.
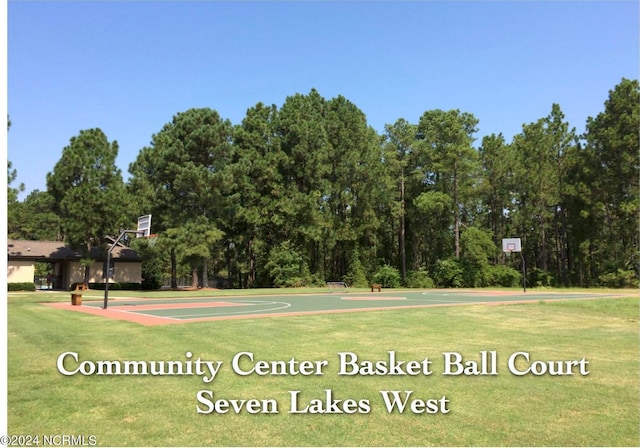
(58, 250)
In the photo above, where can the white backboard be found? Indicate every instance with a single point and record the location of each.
(511, 245)
(144, 225)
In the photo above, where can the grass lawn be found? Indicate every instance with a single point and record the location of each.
(598, 409)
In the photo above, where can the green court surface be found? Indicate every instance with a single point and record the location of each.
(220, 307)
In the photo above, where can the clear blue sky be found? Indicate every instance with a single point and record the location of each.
(129, 67)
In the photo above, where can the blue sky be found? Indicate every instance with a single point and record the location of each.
(129, 67)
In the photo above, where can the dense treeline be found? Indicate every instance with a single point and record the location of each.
(309, 192)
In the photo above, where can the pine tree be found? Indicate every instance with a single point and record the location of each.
(88, 191)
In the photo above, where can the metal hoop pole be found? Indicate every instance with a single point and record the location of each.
(108, 267)
(524, 274)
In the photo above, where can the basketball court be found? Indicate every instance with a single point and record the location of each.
(183, 309)
(196, 309)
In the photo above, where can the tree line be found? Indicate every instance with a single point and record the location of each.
(308, 192)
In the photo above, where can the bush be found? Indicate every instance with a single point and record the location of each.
(449, 274)
(25, 286)
(387, 276)
(356, 276)
(620, 279)
(538, 277)
(475, 274)
(151, 274)
(504, 276)
(420, 279)
(115, 286)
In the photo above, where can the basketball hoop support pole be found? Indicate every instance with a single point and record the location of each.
(511, 245)
(108, 267)
(524, 274)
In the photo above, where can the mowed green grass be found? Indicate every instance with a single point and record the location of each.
(598, 409)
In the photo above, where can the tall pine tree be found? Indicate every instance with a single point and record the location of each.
(88, 192)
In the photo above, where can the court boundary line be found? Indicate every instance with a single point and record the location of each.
(239, 313)
(151, 320)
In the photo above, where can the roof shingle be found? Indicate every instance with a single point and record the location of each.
(58, 250)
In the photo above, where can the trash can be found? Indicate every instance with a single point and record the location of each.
(76, 298)
(76, 294)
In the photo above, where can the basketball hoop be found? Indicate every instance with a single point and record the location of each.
(143, 230)
(510, 245)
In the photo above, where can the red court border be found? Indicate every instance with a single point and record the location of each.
(129, 314)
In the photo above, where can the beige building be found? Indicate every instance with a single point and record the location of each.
(64, 267)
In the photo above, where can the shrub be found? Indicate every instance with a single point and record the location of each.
(419, 279)
(356, 276)
(620, 279)
(115, 286)
(504, 276)
(474, 274)
(387, 276)
(152, 271)
(25, 286)
(539, 277)
(449, 274)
